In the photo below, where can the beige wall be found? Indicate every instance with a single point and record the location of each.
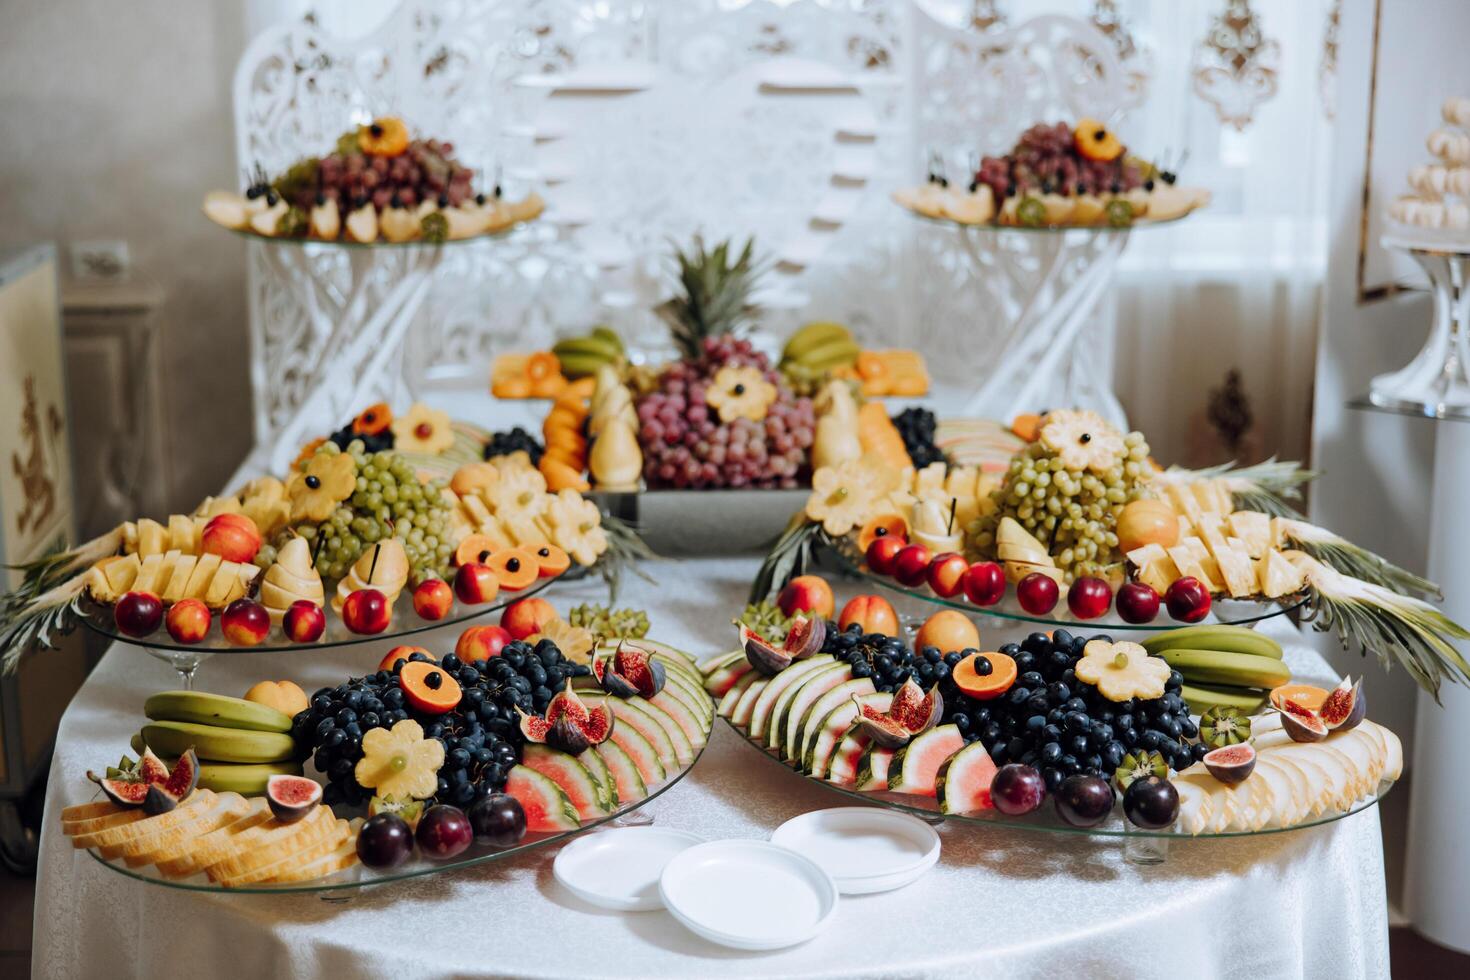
(114, 121)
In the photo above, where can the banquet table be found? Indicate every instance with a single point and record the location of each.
(1001, 902)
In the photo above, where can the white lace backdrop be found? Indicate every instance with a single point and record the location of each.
(637, 121)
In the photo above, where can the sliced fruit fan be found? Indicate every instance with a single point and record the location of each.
(529, 730)
(1199, 730)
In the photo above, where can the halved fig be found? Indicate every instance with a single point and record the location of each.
(763, 656)
(1345, 706)
(912, 712)
(1303, 727)
(1232, 764)
(806, 637)
(629, 671)
(569, 725)
(163, 796)
(292, 797)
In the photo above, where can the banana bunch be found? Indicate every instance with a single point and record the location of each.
(580, 357)
(172, 575)
(240, 743)
(815, 350)
(1230, 666)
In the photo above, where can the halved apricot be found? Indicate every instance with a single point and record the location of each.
(551, 561)
(1305, 695)
(973, 679)
(428, 687)
(398, 653)
(386, 136)
(882, 526)
(372, 420)
(1027, 426)
(476, 547)
(515, 568)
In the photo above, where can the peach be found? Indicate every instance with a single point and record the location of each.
(433, 599)
(947, 574)
(188, 621)
(245, 623)
(809, 594)
(985, 583)
(304, 622)
(400, 653)
(1144, 522)
(234, 537)
(525, 617)
(481, 643)
(476, 583)
(873, 613)
(948, 630)
(287, 697)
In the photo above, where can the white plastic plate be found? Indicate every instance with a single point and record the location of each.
(748, 894)
(863, 848)
(619, 868)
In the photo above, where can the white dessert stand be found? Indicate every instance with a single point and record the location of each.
(1435, 383)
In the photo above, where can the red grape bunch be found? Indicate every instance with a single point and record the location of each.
(1045, 159)
(426, 171)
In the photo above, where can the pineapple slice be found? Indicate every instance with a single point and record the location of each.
(930, 480)
(1191, 563)
(148, 572)
(523, 530)
(122, 571)
(218, 595)
(1254, 529)
(1238, 571)
(203, 573)
(1183, 502)
(477, 511)
(183, 535)
(152, 538)
(178, 580)
(1278, 576)
(1154, 567)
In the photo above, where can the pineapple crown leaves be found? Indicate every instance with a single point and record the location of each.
(625, 549)
(716, 285)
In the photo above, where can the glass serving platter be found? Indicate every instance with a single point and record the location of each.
(418, 866)
(186, 658)
(1045, 819)
(1047, 229)
(1239, 612)
(359, 246)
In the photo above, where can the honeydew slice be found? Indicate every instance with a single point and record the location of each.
(1223, 807)
(1195, 806)
(1288, 790)
(1393, 765)
(1314, 778)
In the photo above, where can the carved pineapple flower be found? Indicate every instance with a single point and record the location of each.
(1122, 671)
(740, 392)
(575, 526)
(1082, 440)
(400, 762)
(846, 494)
(327, 479)
(423, 430)
(575, 642)
(519, 492)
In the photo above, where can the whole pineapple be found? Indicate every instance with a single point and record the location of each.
(702, 425)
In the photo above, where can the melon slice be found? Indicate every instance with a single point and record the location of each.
(915, 767)
(640, 751)
(548, 811)
(788, 713)
(872, 770)
(963, 782)
(745, 707)
(584, 792)
(761, 716)
(643, 724)
(1195, 807)
(1288, 790)
(814, 713)
(731, 698)
(627, 778)
(825, 744)
(845, 762)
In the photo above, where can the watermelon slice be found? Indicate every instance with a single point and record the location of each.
(627, 779)
(818, 682)
(683, 747)
(692, 695)
(548, 811)
(761, 716)
(916, 766)
(745, 708)
(689, 723)
(584, 792)
(963, 785)
(827, 744)
(845, 761)
(640, 751)
(725, 673)
(795, 711)
(643, 724)
(872, 772)
(817, 711)
(732, 697)
(598, 770)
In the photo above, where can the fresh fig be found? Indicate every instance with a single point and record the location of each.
(609, 679)
(569, 725)
(1232, 764)
(885, 731)
(1305, 727)
(629, 671)
(911, 712)
(763, 656)
(158, 800)
(182, 778)
(806, 637)
(123, 790)
(150, 768)
(292, 797)
(1345, 706)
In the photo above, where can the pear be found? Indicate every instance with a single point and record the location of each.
(975, 208)
(930, 526)
(836, 399)
(527, 207)
(1058, 208)
(1089, 209)
(426, 207)
(227, 209)
(383, 566)
(1167, 202)
(616, 462)
(466, 222)
(617, 405)
(326, 221)
(292, 577)
(929, 200)
(399, 225)
(362, 225)
(1139, 198)
(836, 441)
(265, 222)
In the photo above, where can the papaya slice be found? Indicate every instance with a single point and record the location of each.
(551, 561)
(547, 387)
(985, 686)
(542, 364)
(871, 365)
(1027, 426)
(400, 654)
(372, 420)
(882, 526)
(560, 475)
(576, 393)
(476, 547)
(1304, 695)
(515, 568)
(511, 388)
(428, 687)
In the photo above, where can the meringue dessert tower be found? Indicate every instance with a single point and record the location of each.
(1441, 189)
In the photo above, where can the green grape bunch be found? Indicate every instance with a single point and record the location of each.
(389, 501)
(1067, 489)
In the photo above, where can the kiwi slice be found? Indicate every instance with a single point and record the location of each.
(1030, 212)
(1138, 765)
(1119, 213)
(1221, 726)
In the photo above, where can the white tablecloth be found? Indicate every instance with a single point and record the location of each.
(1009, 903)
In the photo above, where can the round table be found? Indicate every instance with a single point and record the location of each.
(1000, 902)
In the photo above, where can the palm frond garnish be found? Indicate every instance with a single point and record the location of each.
(1269, 487)
(625, 549)
(788, 557)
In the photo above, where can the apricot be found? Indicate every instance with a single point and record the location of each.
(525, 617)
(873, 613)
(287, 697)
(809, 594)
(885, 525)
(1147, 522)
(947, 630)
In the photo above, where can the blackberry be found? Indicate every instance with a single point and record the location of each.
(374, 443)
(516, 440)
(916, 426)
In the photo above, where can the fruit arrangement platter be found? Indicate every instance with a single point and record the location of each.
(720, 415)
(1200, 730)
(1082, 511)
(1058, 176)
(378, 184)
(528, 732)
(356, 542)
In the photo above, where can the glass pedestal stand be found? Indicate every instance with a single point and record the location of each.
(185, 662)
(1435, 383)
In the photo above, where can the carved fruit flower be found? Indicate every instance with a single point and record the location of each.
(575, 526)
(846, 495)
(372, 420)
(1123, 670)
(400, 762)
(423, 430)
(740, 392)
(518, 492)
(315, 491)
(1083, 440)
(575, 642)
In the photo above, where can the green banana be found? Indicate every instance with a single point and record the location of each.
(611, 336)
(202, 708)
(811, 336)
(1215, 636)
(1202, 697)
(596, 346)
(583, 365)
(215, 744)
(830, 355)
(1226, 667)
